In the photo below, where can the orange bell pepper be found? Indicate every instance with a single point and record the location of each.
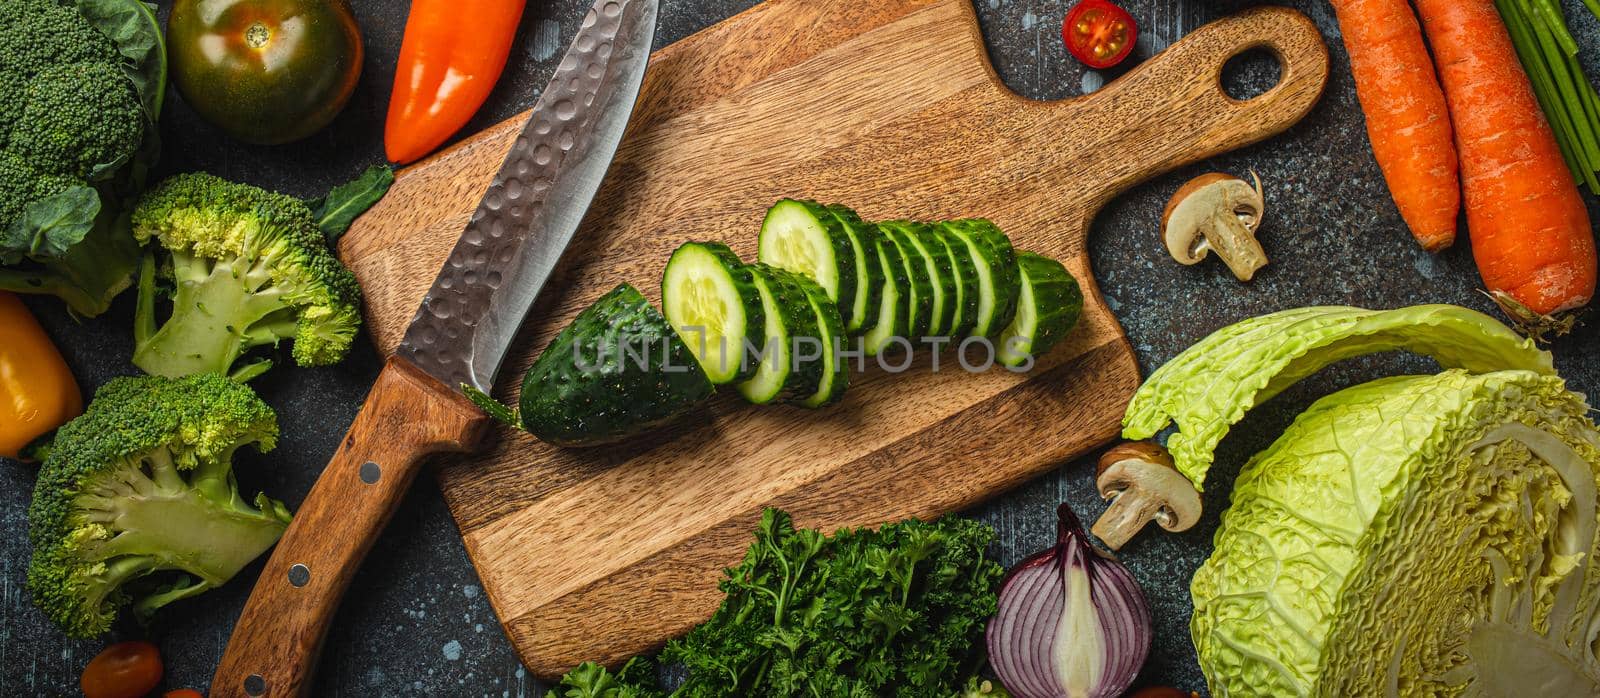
(450, 58)
(37, 391)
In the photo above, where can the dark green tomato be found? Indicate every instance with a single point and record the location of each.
(264, 71)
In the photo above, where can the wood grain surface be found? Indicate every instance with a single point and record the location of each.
(889, 107)
(408, 416)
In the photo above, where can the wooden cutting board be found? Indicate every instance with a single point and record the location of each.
(890, 107)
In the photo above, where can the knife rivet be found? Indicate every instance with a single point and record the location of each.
(299, 575)
(255, 685)
(370, 472)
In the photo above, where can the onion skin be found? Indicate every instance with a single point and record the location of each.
(1061, 603)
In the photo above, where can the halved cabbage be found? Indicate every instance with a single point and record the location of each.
(1211, 385)
(1420, 535)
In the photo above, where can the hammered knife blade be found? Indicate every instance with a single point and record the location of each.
(459, 336)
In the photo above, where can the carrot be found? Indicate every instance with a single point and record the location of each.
(1530, 230)
(1407, 121)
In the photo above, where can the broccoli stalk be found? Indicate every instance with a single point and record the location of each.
(137, 502)
(249, 269)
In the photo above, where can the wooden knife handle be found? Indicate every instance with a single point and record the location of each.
(407, 416)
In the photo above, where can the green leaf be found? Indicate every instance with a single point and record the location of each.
(49, 227)
(343, 204)
(1211, 385)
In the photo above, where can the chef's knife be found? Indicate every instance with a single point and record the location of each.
(460, 335)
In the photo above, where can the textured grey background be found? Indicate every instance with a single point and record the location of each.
(415, 621)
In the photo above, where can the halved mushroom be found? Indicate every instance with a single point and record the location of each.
(1143, 485)
(1217, 212)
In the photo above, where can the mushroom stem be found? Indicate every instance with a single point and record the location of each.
(1130, 510)
(1235, 244)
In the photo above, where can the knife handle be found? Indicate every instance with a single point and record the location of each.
(407, 416)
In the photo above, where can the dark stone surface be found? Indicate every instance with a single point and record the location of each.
(415, 621)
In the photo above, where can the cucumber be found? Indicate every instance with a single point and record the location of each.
(1048, 305)
(835, 374)
(893, 314)
(806, 238)
(869, 273)
(788, 316)
(917, 295)
(965, 275)
(990, 252)
(712, 301)
(941, 272)
(617, 371)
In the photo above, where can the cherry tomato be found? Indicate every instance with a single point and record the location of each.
(123, 670)
(1099, 33)
(183, 693)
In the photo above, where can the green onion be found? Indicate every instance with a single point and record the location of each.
(1549, 53)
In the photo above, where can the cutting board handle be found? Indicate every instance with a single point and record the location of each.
(407, 416)
(1183, 84)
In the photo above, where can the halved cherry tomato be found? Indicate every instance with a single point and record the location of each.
(123, 670)
(1099, 33)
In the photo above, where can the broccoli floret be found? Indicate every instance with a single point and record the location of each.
(250, 268)
(137, 503)
(78, 119)
(71, 121)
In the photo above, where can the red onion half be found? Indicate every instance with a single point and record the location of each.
(1072, 622)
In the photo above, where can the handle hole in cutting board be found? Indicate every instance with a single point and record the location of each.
(1251, 73)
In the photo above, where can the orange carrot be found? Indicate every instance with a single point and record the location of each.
(1530, 230)
(1406, 117)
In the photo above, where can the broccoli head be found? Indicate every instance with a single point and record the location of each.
(137, 503)
(249, 268)
(77, 115)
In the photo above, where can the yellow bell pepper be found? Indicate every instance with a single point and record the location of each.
(37, 391)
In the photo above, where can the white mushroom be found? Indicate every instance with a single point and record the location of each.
(1216, 212)
(1142, 484)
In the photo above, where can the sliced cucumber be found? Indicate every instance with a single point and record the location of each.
(991, 253)
(806, 238)
(918, 294)
(893, 315)
(869, 273)
(965, 274)
(788, 316)
(835, 374)
(711, 299)
(941, 273)
(1048, 305)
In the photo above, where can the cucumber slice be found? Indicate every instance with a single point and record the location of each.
(806, 238)
(869, 273)
(1048, 305)
(965, 274)
(893, 314)
(788, 316)
(918, 294)
(835, 374)
(711, 300)
(941, 274)
(618, 370)
(991, 253)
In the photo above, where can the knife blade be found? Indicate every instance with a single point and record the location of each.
(468, 319)
(459, 336)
